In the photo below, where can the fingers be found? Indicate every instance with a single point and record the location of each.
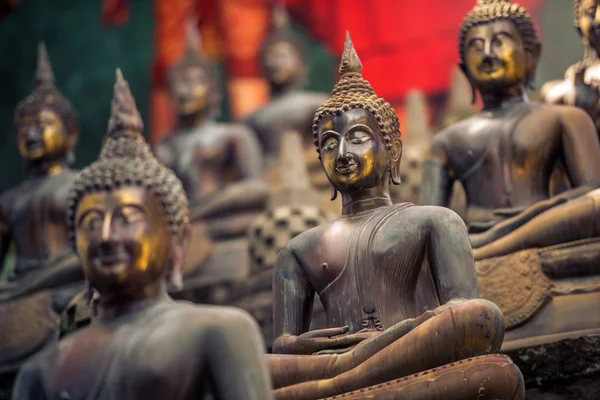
(325, 333)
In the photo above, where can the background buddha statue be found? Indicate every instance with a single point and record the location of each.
(580, 86)
(506, 158)
(291, 108)
(397, 282)
(128, 220)
(33, 220)
(32, 215)
(219, 164)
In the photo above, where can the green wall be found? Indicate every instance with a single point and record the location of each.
(84, 56)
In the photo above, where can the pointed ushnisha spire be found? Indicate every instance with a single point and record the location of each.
(125, 119)
(44, 73)
(193, 38)
(350, 62)
(280, 18)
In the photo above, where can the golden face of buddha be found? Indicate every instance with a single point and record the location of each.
(282, 62)
(588, 15)
(495, 56)
(353, 150)
(41, 135)
(190, 91)
(122, 239)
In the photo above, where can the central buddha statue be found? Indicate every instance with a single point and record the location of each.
(531, 174)
(581, 85)
(128, 221)
(397, 282)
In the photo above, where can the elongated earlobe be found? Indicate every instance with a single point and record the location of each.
(334, 193)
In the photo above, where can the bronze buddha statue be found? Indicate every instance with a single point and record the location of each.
(32, 215)
(128, 221)
(530, 173)
(285, 68)
(397, 282)
(580, 86)
(220, 166)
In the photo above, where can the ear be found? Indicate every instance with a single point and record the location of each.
(395, 157)
(465, 71)
(533, 56)
(180, 246)
(72, 139)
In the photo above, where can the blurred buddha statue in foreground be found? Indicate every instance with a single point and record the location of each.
(219, 164)
(580, 87)
(128, 220)
(535, 247)
(397, 282)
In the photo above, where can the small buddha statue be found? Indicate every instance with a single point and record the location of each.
(397, 281)
(128, 221)
(506, 157)
(220, 166)
(285, 68)
(32, 215)
(580, 87)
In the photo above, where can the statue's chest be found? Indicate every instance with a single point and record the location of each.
(117, 367)
(44, 202)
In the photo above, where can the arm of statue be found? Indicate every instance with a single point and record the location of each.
(580, 147)
(293, 297)
(450, 256)
(237, 342)
(437, 182)
(247, 153)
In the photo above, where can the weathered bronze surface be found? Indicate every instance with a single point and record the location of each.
(530, 172)
(580, 86)
(128, 220)
(397, 282)
(219, 164)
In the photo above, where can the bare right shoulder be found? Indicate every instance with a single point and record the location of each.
(32, 380)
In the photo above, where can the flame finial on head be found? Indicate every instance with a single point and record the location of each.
(44, 73)
(280, 18)
(125, 119)
(350, 62)
(193, 38)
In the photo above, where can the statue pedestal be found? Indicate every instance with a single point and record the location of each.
(550, 299)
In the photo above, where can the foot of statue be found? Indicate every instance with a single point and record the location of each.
(448, 334)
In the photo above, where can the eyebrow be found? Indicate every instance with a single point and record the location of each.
(504, 33)
(87, 212)
(361, 127)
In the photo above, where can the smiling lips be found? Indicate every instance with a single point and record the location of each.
(346, 168)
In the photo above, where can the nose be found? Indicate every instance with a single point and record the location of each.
(342, 149)
(487, 49)
(33, 132)
(107, 229)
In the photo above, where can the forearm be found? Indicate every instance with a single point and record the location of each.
(242, 195)
(435, 189)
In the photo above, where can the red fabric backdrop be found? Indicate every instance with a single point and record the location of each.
(403, 44)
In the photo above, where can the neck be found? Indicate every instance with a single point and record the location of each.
(365, 200)
(279, 89)
(192, 120)
(47, 167)
(499, 98)
(590, 55)
(115, 305)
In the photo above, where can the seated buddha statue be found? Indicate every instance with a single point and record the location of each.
(128, 221)
(219, 164)
(397, 281)
(510, 159)
(581, 83)
(32, 214)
